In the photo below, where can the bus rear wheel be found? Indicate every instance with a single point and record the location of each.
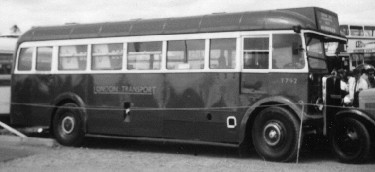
(68, 126)
(350, 141)
(275, 134)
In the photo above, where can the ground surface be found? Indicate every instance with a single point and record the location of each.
(125, 155)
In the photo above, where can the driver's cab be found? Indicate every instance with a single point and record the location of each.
(319, 73)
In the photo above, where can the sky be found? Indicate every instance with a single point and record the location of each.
(28, 13)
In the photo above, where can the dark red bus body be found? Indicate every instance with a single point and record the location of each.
(188, 106)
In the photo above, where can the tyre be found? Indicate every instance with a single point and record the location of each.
(275, 134)
(350, 140)
(68, 125)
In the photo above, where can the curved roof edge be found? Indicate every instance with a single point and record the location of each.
(280, 19)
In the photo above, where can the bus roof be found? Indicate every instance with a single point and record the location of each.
(281, 19)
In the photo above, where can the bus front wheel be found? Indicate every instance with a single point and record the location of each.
(350, 140)
(67, 125)
(275, 134)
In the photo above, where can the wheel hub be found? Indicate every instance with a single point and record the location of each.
(67, 125)
(272, 133)
(352, 135)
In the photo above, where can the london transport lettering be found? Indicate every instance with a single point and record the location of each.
(113, 89)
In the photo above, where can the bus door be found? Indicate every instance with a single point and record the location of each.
(255, 68)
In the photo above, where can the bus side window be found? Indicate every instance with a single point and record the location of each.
(107, 56)
(144, 55)
(73, 57)
(24, 59)
(43, 58)
(256, 51)
(356, 30)
(369, 31)
(185, 54)
(285, 54)
(223, 53)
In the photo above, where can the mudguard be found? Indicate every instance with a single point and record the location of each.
(356, 113)
(73, 98)
(277, 100)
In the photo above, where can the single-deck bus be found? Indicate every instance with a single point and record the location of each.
(233, 78)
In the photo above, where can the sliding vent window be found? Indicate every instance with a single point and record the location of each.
(185, 54)
(107, 56)
(24, 59)
(144, 55)
(73, 57)
(256, 52)
(43, 58)
(223, 53)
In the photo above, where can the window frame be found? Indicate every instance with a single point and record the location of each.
(239, 36)
(303, 54)
(242, 52)
(36, 58)
(126, 56)
(233, 58)
(205, 49)
(87, 56)
(91, 56)
(33, 56)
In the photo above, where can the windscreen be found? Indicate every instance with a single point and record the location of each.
(315, 52)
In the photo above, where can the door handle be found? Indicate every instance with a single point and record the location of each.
(126, 111)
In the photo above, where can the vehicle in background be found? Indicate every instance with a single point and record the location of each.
(7, 49)
(351, 128)
(238, 79)
(360, 48)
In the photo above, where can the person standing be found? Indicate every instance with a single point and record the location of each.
(356, 85)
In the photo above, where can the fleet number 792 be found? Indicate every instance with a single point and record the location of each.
(289, 80)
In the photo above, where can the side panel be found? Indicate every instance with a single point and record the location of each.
(32, 95)
(291, 85)
(256, 86)
(169, 105)
(221, 99)
(108, 93)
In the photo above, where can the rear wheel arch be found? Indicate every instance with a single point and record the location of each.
(68, 125)
(67, 98)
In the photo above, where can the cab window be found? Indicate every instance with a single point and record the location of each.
(286, 52)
